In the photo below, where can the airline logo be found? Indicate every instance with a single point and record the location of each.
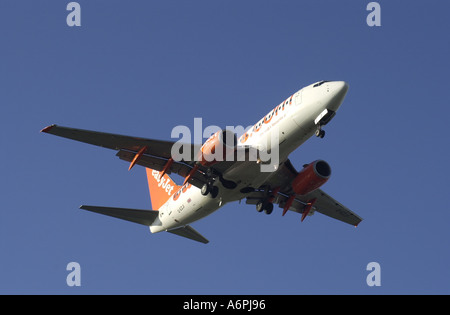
(165, 183)
(182, 190)
(161, 188)
(266, 119)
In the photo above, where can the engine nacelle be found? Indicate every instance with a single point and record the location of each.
(311, 177)
(220, 145)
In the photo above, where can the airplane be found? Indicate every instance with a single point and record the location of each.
(213, 180)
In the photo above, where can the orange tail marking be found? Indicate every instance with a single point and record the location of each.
(161, 187)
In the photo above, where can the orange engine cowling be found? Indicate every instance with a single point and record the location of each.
(217, 147)
(311, 177)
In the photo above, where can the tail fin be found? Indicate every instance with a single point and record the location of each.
(160, 189)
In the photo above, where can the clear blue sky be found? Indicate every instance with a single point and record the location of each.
(142, 67)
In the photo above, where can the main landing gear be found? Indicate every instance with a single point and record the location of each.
(266, 203)
(209, 188)
(265, 206)
(212, 177)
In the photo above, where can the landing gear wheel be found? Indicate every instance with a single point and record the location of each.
(320, 133)
(209, 189)
(205, 189)
(214, 191)
(260, 206)
(269, 208)
(265, 206)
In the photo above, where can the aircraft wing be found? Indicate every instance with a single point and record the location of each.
(157, 148)
(327, 205)
(323, 203)
(150, 153)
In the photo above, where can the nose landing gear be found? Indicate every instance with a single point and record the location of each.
(324, 118)
(320, 133)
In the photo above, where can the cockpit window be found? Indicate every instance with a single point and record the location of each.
(320, 83)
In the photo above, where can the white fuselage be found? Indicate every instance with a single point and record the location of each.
(284, 128)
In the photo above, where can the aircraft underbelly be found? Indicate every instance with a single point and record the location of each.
(189, 208)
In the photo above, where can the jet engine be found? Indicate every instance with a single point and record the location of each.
(311, 177)
(220, 145)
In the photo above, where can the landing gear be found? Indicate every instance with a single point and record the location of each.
(214, 192)
(265, 206)
(212, 178)
(209, 188)
(205, 189)
(260, 206)
(269, 208)
(324, 118)
(266, 203)
(320, 133)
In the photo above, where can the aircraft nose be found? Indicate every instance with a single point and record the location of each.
(337, 91)
(340, 86)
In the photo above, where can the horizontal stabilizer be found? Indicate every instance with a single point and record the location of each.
(144, 217)
(189, 232)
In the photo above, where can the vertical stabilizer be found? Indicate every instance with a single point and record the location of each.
(161, 189)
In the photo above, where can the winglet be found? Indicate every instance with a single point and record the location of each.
(47, 129)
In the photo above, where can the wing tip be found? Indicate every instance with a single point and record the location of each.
(356, 225)
(48, 128)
